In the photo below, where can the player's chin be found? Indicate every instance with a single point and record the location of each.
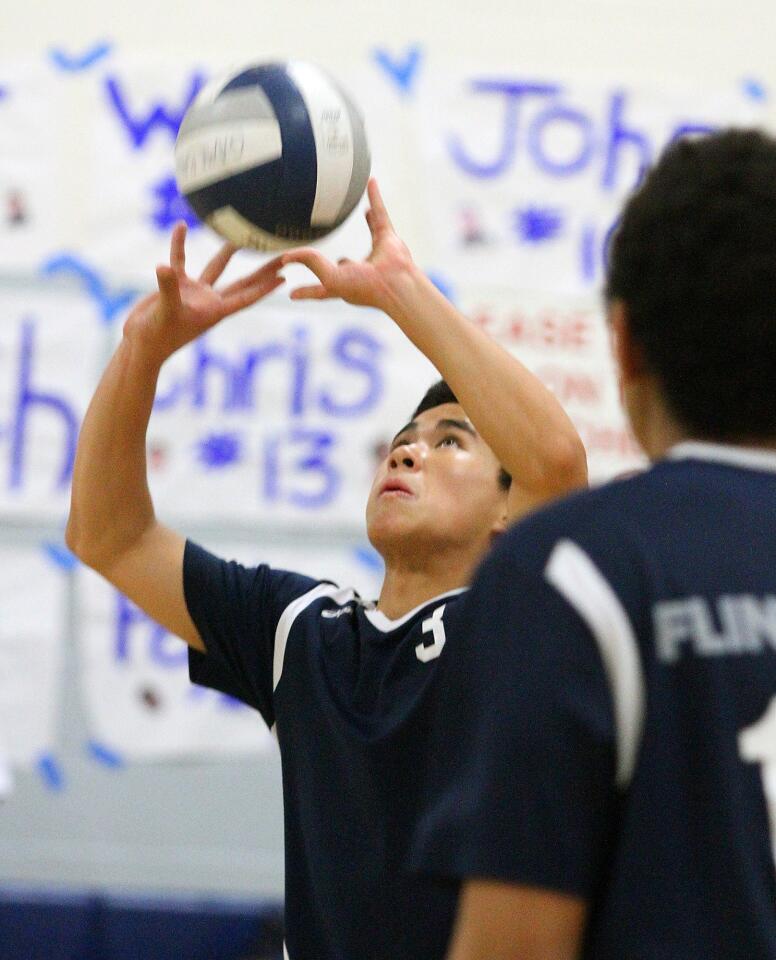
(388, 525)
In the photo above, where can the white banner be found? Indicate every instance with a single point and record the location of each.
(34, 177)
(139, 700)
(564, 340)
(51, 349)
(139, 102)
(32, 622)
(281, 414)
(525, 179)
(525, 176)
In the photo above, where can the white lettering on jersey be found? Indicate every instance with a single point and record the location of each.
(747, 624)
(433, 625)
(331, 614)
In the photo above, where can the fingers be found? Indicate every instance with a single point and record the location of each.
(267, 271)
(379, 218)
(323, 269)
(316, 292)
(178, 247)
(217, 265)
(169, 292)
(250, 295)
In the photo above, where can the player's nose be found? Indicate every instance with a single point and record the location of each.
(406, 457)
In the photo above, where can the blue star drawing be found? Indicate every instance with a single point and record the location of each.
(219, 450)
(535, 225)
(172, 206)
(3, 92)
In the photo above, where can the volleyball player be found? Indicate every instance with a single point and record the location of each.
(604, 763)
(348, 684)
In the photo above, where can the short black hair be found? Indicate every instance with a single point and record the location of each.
(439, 393)
(694, 262)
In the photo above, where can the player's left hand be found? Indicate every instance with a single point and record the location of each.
(375, 281)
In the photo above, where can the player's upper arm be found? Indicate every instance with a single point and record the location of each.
(150, 573)
(502, 921)
(568, 476)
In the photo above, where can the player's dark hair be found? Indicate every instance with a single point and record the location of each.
(694, 262)
(439, 393)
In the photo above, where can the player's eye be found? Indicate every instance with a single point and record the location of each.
(449, 441)
(400, 442)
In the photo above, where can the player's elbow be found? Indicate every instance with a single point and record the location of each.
(565, 467)
(82, 543)
(98, 548)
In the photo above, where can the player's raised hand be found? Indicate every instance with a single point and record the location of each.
(185, 307)
(372, 282)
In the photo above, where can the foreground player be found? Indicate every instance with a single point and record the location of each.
(349, 685)
(612, 701)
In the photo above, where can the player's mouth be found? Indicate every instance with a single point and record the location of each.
(396, 488)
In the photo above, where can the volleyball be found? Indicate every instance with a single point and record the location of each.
(272, 155)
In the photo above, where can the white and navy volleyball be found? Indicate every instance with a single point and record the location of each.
(272, 155)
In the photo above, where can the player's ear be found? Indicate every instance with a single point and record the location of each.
(502, 519)
(628, 354)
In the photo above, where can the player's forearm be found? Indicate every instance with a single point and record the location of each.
(516, 415)
(501, 921)
(111, 506)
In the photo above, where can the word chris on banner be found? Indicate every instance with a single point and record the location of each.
(278, 415)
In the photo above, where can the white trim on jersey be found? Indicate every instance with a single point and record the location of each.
(339, 595)
(574, 575)
(754, 458)
(382, 623)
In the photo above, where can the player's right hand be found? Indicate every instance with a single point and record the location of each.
(183, 308)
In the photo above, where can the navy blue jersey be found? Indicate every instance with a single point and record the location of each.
(608, 721)
(349, 693)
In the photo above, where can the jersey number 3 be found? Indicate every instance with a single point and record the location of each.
(757, 744)
(433, 625)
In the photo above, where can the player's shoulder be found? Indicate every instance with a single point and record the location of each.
(208, 577)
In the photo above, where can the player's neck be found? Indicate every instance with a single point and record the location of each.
(657, 431)
(407, 586)
(653, 426)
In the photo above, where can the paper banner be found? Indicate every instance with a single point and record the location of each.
(32, 601)
(525, 175)
(281, 414)
(139, 699)
(33, 176)
(51, 347)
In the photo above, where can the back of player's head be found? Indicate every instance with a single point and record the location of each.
(439, 393)
(694, 262)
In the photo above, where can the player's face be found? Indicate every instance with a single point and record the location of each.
(437, 488)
